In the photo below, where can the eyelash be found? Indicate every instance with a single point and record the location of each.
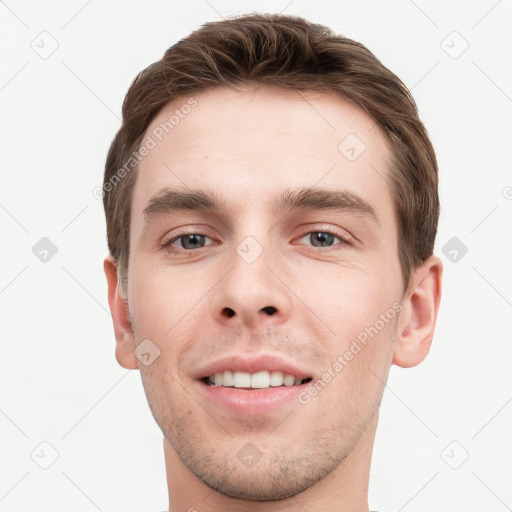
(344, 238)
(169, 249)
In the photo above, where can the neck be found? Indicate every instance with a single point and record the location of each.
(344, 489)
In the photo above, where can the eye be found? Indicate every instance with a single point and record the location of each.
(325, 238)
(187, 242)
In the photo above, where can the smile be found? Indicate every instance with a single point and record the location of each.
(258, 380)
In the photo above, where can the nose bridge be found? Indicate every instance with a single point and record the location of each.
(250, 293)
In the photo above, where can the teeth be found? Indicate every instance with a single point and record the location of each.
(289, 380)
(258, 380)
(241, 380)
(227, 379)
(276, 379)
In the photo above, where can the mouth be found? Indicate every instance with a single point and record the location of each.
(258, 380)
(251, 386)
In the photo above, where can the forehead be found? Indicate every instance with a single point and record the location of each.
(247, 145)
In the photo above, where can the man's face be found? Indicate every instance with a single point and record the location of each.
(260, 277)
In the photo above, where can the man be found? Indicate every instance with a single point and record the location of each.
(271, 203)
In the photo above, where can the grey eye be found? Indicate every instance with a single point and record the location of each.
(321, 239)
(192, 241)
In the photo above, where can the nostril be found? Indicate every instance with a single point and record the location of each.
(270, 310)
(228, 312)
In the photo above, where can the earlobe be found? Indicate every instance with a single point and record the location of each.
(419, 315)
(123, 330)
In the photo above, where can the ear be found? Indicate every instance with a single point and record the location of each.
(125, 340)
(419, 314)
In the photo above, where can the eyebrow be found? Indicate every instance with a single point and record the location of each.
(169, 200)
(313, 198)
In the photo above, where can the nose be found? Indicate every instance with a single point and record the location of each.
(251, 294)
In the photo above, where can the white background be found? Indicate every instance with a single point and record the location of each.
(60, 382)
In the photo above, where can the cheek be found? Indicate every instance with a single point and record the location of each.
(164, 299)
(360, 360)
(168, 404)
(361, 314)
(348, 299)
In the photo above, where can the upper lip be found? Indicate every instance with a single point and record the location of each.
(251, 364)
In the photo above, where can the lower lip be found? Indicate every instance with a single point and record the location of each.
(250, 402)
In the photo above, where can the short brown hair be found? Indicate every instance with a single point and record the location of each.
(288, 52)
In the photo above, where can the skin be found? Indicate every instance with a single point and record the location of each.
(248, 146)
